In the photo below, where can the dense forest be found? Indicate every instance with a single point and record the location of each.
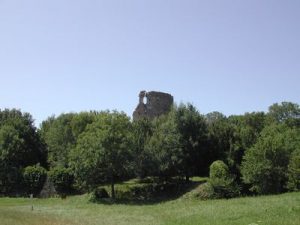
(254, 153)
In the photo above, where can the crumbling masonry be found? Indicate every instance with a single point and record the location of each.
(152, 104)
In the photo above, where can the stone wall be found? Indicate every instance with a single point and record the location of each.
(152, 104)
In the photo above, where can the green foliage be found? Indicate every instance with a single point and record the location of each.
(34, 178)
(61, 134)
(205, 191)
(294, 171)
(246, 130)
(103, 147)
(20, 146)
(286, 112)
(265, 164)
(80, 121)
(220, 135)
(142, 130)
(165, 149)
(98, 194)
(135, 192)
(62, 179)
(218, 170)
(192, 129)
(11, 179)
(102, 153)
(222, 181)
(149, 189)
(59, 138)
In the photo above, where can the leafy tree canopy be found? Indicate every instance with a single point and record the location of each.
(20, 146)
(102, 153)
(265, 164)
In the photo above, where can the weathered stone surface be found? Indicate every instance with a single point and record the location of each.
(152, 104)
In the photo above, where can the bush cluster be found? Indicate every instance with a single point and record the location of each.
(98, 194)
(256, 151)
(34, 178)
(222, 182)
(62, 179)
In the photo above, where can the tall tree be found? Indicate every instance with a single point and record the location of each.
(247, 129)
(294, 171)
(102, 153)
(20, 146)
(192, 128)
(220, 135)
(142, 130)
(61, 134)
(164, 148)
(58, 135)
(265, 165)
(80, 121)
(285, 112)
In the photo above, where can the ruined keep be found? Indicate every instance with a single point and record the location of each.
(152, 104)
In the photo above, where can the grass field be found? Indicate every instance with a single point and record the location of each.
(265, 210)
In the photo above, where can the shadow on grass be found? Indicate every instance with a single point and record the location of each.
(157, 198)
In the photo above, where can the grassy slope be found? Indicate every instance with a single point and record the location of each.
(265, 210)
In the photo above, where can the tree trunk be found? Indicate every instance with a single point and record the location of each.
(187, 178)
(112, 188)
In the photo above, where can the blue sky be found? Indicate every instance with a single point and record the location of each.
(230, 56)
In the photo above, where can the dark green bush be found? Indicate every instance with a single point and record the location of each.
(294, 172)
(135, 192)
(34, 178)
(98, 194)
(62, 179)
(142, 191)
(265, 164)
(124, 193)
(222, 181)
(101, 193)
(11, 180)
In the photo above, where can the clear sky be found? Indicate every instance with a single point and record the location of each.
(232, 56)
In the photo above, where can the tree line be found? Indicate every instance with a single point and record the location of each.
(256, 152)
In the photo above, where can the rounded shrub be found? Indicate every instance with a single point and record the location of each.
(222, 181)
(218, 170)
(62, 179)
(34, 178)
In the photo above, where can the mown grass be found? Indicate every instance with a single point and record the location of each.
(265, 210)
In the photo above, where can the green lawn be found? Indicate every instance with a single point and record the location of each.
(265, 210)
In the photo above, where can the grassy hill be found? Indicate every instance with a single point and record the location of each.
(264, 210)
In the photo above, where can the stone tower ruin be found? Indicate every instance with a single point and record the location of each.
(152, 104)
